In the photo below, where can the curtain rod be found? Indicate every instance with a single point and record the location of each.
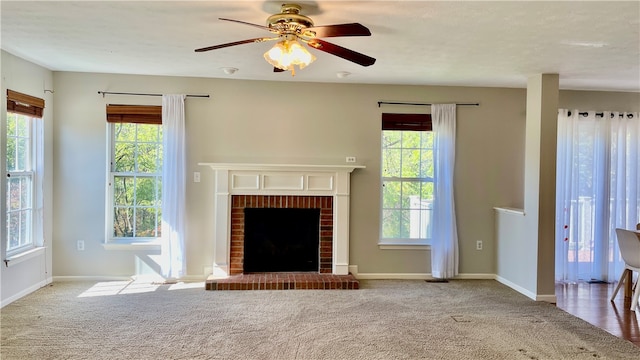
(417, 104)
(600, 114)
(103, 93)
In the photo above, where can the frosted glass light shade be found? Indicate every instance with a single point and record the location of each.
(288, 53)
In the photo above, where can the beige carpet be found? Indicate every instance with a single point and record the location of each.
(385, 319)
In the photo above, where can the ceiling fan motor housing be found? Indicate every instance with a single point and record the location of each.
(289, 21)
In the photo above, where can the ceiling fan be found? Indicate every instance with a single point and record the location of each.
(290, 28)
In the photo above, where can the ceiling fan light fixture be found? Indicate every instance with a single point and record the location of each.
(287, 53)
(292, 30)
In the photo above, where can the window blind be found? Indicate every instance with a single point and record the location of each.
(412, 122)
(24, 104)
(139, 114)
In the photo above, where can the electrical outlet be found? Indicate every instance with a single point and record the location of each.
(80, 245)
(351, 159)
(196, 177)
(479, 245)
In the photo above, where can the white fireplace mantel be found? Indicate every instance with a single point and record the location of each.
(281, 179)
(282, 167)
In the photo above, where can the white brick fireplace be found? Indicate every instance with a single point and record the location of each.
(280, 180)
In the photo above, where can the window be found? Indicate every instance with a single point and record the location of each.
(597, 191)
(135, 178)
(20, 183)
(407, 179)
(23, 172)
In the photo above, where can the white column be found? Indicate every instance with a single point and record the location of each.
(341, 224)
(540, 183)
(222, 216)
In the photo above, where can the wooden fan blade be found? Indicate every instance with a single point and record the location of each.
(352, 29)
(256, 40)
(250, 24)
(277, 70)
(353, 56)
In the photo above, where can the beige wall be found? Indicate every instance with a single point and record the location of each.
(245, 120)
(21, 278)
(599, 100)
(255, 121)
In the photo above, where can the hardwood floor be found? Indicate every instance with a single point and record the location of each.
(590, 302)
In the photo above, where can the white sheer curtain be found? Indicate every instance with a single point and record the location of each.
(38, 220)
(173, 186)
(597, 191)
(444, 239)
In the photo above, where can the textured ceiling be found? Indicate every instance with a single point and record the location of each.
(591, 44)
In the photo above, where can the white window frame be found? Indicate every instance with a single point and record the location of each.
(420, 242)
(112, 241)
(29, 173)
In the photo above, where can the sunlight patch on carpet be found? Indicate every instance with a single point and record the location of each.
(137, 288)
(106, 288)
(111, 288)
(188, 285)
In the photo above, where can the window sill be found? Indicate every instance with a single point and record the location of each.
(24, 256)
(401, 246)
(133, 246)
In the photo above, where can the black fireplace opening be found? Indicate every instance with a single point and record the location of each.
(280, 240)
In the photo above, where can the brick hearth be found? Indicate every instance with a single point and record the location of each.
(240, 202)
(284, 281)
(322, 280)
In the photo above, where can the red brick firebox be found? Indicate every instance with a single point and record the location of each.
(240, 202)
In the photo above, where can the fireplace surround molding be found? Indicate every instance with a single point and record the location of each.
(280, 180)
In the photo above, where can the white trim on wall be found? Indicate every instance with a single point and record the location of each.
(419, 276)
(24, 256)
(546, 298)
(26, 292)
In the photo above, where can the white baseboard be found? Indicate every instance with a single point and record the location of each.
(418, 276)
(479, 276)
(516, 287)
(353, 270)
(26, 292)
(392, 276)
(546, 298)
